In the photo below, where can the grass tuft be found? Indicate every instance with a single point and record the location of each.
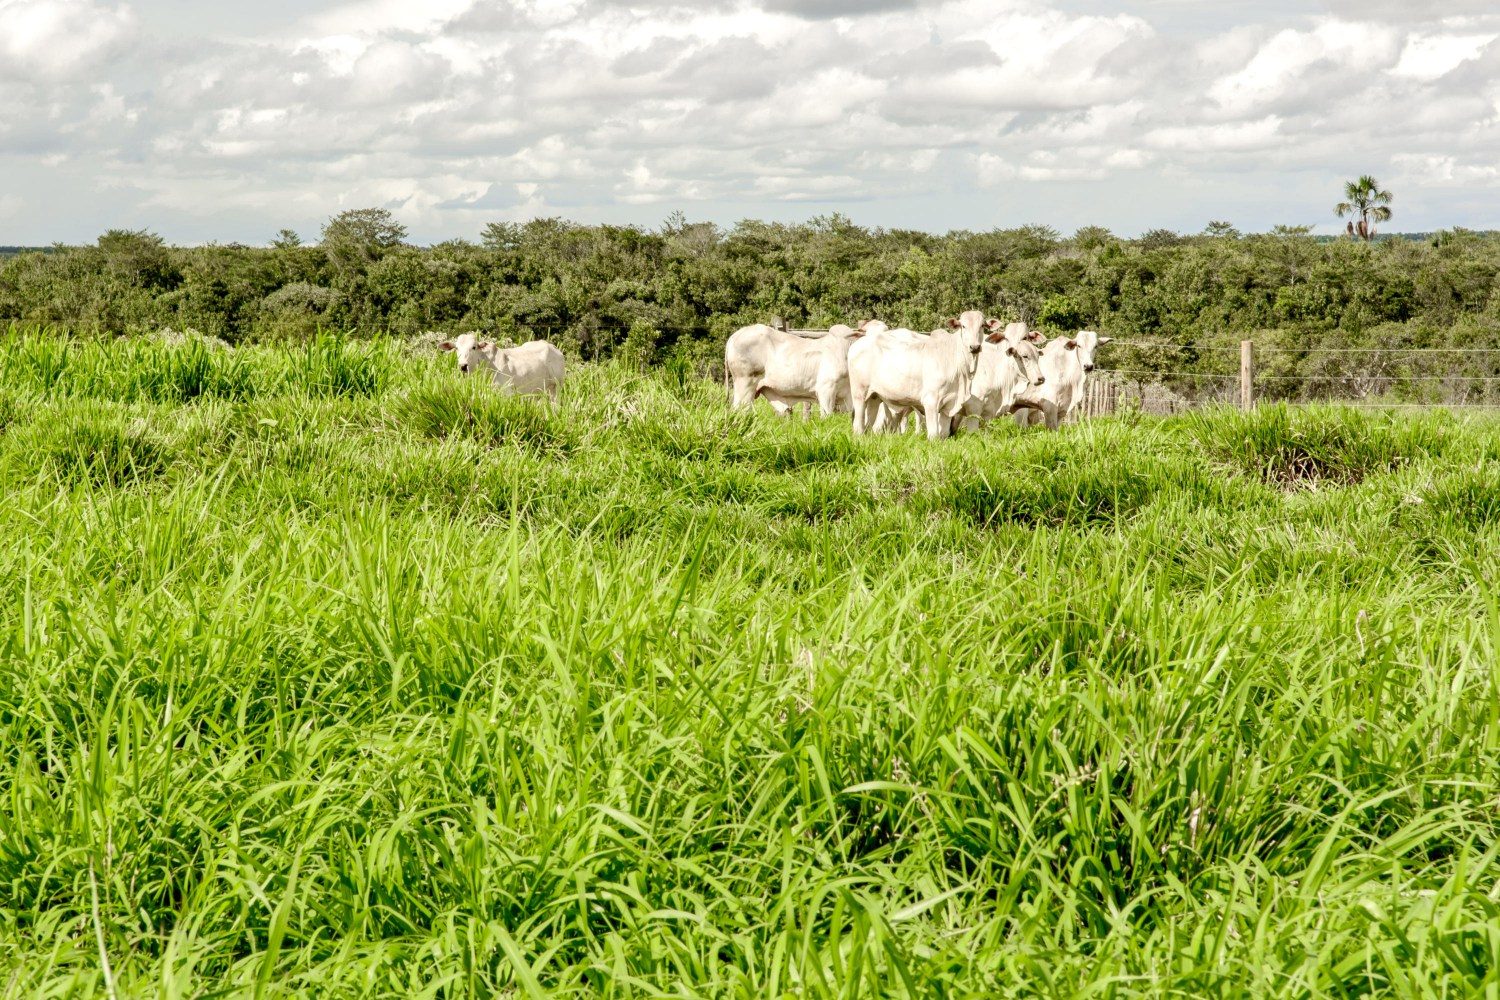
(473, 410)
(332, 366)
(1308, 446)
(97, 444)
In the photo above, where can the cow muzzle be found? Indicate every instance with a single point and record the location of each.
(1040, 380)
(1088, 368)
(464, 369)
(975, 349)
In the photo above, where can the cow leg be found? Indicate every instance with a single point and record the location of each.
(745, 388)
(937, 423)
(1051, 415)
(859, 403)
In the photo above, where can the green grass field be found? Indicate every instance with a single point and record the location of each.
(325, 673)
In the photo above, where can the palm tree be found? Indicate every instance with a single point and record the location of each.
(1368, 202)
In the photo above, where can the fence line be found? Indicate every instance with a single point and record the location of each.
(1116, 342)
(1315, 377)
(1366, 404)
(1153, 394)
(1310, 350)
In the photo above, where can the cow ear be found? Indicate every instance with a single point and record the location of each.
(484, 346)
(1071, 345)
(1035, 336)
(446, 345)
(1105, 340)
(993, 324)
(953, 323)
(995, 337)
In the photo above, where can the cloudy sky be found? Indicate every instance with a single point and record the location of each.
(208, 121)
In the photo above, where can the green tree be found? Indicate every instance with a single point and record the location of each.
(1157, 239)
(359, 237)
(139, 258)
(1062, 314)
(1366, 200)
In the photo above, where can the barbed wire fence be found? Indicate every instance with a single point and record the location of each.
(1165, 378)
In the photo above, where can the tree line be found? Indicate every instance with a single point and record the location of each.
(673, 294)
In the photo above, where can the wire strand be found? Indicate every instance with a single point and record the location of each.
(1309, 350)
(1306, 378)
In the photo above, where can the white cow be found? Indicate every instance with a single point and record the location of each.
(1066, 362)
(905, 370)
(1006, 369)
(529, 370)
(787, 369)
(1008, 365)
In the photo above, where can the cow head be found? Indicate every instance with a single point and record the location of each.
(971, 329)
(1085, 342)
(845, 331)
(473, 353)
(1028, 361)
(872, 326)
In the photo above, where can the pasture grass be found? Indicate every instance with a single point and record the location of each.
(323, 672)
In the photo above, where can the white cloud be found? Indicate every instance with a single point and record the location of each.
(1445, 171)
(1291, 60)
(380, 17)
(1211, 137)
(909, 112)
(1427, 57)
(59, 39)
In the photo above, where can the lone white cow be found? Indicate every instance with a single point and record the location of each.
(787, 369)
(905, 370)
(1066, 362)
(532, 369)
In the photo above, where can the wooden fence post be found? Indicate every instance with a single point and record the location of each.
(1247, 375)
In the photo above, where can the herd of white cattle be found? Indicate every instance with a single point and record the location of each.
(972, 371)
